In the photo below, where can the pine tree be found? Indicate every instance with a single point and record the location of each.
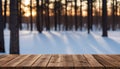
(2, 49)
(5, 13)
(38, 25)
(59, 13)
(104, 18)
(20, 14)
(47, 15)
(89, 19)
(113, 15)
(66, 15)
(14, 27)
(76, 24)
(31, 17)
(89, 15)
(55, 15)
(81, 21)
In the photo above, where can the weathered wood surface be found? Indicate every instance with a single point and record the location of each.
(59, 61)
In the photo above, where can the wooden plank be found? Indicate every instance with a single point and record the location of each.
(16, 61)
(2, 56)
(66, 61)
(42, 61)
(107, 61)
(29, 61)
(93, 62)
(7, 59)
(111, 60)
(54, 61)
(80, 62)
(61, 61)
(116, 57)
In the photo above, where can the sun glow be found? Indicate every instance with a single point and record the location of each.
(26, 7)
(27, 14)
(26, 2)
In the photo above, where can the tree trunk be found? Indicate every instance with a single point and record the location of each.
(2, 49)
(59, 14)
(99, 19)
(55, 15)
(76, 24)
(47, 16)
(71, 17)
(14, 27)
(104, 18)
(89, 16)
(20, 14)
(81, 24)
(38, 17)
(41, 15)
(96, 15)
(31, 21)
(116, 11)
(66, 18)
(113, 15)
(5, 14)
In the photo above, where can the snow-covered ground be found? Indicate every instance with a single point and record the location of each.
(70, 42)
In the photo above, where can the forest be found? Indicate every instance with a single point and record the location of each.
(56, 15)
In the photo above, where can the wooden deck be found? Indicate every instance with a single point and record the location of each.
(59, 61)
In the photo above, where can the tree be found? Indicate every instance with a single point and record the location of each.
(47, 15)
(76, 24)
(20, 14)
(55, 15)
(91, 12)
(59, 4)
(1, 30)
(66, 15)
(116, 11)
(38, 25)
(89, 15)
(113, 15)
(71, 15)
(119, 14)
(71, 6)
(5, 13)
(81, 22)
(41, 15)
(14, 27)
(104, 18)
(99, 7)
(31, 19)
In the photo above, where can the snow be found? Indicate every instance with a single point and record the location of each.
(62, 42)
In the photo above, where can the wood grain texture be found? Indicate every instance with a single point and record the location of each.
(92, 61)
(60, 61)
(16, 61)
(42, 61)
(7, 59)
(28, 61)
(2, 56)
